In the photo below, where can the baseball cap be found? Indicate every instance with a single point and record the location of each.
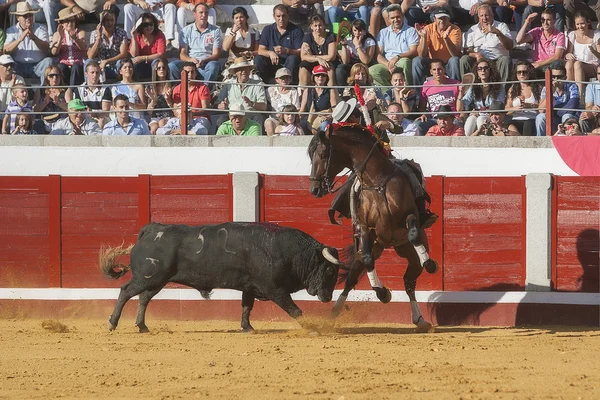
(237, 109)
(441, 12)
(77, 105)
(6, 59)
(319, 69)
(281, 72)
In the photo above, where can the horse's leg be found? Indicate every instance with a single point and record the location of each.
(418, 239)
(410, 284)
(145, 298)
(383, 294)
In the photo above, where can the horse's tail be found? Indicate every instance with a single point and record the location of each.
(108, 261)
(348, 257)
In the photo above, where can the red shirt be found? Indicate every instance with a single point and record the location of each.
(158, 46)
(196, 94)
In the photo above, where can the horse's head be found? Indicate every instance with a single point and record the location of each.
(321, 177)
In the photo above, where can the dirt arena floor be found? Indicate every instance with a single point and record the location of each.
(76, 358)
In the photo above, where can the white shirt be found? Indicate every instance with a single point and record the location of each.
(582, 51)
(6, 91)
(27, 51)
(489, 45)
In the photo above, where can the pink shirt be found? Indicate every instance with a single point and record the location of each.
(543, 48)
(435, 131)
(437, 96)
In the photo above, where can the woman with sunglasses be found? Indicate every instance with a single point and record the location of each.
(50, 99)
(479, 98)
(159, 93)
(68, 44)
(523, 98)
(361, 47)
(130, 87)
(583, 51)
(148, 43)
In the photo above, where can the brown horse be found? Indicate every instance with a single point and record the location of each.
(385, 210)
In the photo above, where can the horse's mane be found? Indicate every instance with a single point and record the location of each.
(354, 133)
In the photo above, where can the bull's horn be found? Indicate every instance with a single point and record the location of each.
(329, 257)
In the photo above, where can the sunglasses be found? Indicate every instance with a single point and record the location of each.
(547, 20)
(161, 67)
(145, 25)
(522, 72)
(483, 68)
(561, 76)
(53, 75)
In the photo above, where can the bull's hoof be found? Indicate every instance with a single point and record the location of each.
(430, 266)
(335, 312)
(110, 326)
(249, 330)
(383, 294)
(143, 329)
(424, 327)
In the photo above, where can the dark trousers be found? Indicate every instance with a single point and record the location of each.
(266, 69)
(73, 75)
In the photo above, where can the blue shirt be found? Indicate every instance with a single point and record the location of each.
(136, 126)
(201, 44)
(291, 38)
(394, 44)
(569, 99)
(592, 93)
(196, 127)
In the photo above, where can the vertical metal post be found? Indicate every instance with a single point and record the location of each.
(549, 101)
(184, 102)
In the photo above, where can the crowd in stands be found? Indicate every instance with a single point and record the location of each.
(426, 67)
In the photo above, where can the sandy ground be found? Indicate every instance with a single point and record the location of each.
(198, 359)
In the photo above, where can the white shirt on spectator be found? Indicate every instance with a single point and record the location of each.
(27, 51)
(6, 91)
(488, 44)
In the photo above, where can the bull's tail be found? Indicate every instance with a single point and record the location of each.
(348, 257)
(109, 265)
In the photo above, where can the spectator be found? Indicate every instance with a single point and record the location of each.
(360, 48)
(440, 40)
(496, 125)
(27, 43)
(445, 125)
(24, 125)
(300, 10)
(108, 44)
(129, 87)
(96, 97)
(19, 104)
(583, 51)
(319, 100)
(569, 128)
(279, 96)
(196, 126)
(198, 93)
(241, 40)
(246, 91)
(396, 124)
(548, 43)
(318, 48)
(159, 9)
(523, 98)
(349, 9)
(93, 8)
(279, 46)
(77, 122)
(589, 120)
(359, 75)
(437, 93)
(399, 93)
(420, 11)
(540, 6)
(289, 124)
(571, 8)
(124, 124)
(397, 47)
(8, 78)
(50, 99)
(488, 39)
(565, 95)
(68, 45)
(48, 16)
(147, 44)
(159, 92)
(199, 43)
(186, 10)
(238, 124)
(479, 98)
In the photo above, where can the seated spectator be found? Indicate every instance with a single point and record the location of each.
(129, 87)
(186, 10)
(399, 93)
(50, 99)
(19, 104)
(573, 6)
(47, 16)
(279, 46)
(96, 97)
(199, 43)
(442, 41)
(547, 42)
(397, 47)
(569, 128)
(300, 11)
(246, 91)
(360, 48)
(540, 6)
(445, 125)
(420, 12)
(196, 126)
(496, 125)
(8, 78)
(590, 119)
(279, 96)
(241, 40)
(159, 92)
(24, 125)
(565, 95)
(396, 124)
(479, 98)
(523, 98)
(435, 94)
(68, 45)
(28, 44)
(108, 44)
(319, 100)
(583, 51)
(359, 75)
(124, 124)
(488, 39)
(77, 122)
(289, 124)
(93, 8)
(318, 48)
(349, 9)
(159, 9)
(147, 44)
(198, 93)
(238, 124)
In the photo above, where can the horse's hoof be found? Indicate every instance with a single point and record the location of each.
(383, 294)
(249, 330)
(424, 327)
(110, 326)
(430, 266)
(144, 329)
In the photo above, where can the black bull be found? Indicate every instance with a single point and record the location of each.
(264, 261)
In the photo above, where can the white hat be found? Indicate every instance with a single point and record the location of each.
(343, 110)
(24, 8)
(6, 59)
(237, 109)
(282, 72)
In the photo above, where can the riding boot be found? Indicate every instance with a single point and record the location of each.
(426, 217)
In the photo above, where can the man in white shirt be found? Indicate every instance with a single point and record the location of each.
(488, 39)
(8, 78)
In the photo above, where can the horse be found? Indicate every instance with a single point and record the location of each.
(383, 206)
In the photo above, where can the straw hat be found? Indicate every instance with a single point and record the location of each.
(23, 8)
(69, 12)
(240, 63)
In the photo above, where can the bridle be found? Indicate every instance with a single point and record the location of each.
(324, 180)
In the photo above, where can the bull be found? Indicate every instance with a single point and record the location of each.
(263, 261)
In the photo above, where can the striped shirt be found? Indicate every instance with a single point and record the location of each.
(13, 109)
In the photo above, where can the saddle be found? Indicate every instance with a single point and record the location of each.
(342, 201)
